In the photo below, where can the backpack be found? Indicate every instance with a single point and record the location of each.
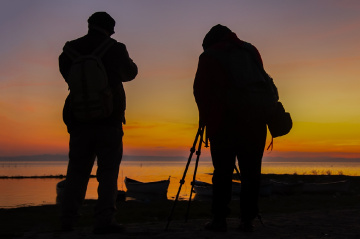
(90, 96)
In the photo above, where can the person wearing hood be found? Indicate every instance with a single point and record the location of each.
(235, 126)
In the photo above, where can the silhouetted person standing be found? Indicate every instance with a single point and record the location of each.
(228, 70)
(94, 66)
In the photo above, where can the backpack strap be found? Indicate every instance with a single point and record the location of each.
(103, 47)
(271, 145)
(269, 81)
(70, 52)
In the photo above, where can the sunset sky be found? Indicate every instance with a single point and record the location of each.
(310, 48)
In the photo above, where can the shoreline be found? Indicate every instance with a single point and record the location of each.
(60, 176)
(353, 187)
(294, 175)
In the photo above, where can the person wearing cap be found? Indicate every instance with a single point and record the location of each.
(234, 131)
(101, 138)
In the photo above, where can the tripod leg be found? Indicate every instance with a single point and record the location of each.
(198, 152)
(237, 172)
(182, 181)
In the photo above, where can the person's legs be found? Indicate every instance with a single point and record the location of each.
(109, 150)
(223, 158)
(81, 160)
(250, 168)
(223, 162)
(249, 153)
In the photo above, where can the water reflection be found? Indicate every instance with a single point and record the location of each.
(20, 192)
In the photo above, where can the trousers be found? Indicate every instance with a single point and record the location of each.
(86, 144)
(246, 143)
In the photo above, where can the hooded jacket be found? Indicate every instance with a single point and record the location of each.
(213, 81)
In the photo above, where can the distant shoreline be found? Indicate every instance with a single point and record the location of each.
(132, 158)
(38, 177)
(61, 176)
(65, 158)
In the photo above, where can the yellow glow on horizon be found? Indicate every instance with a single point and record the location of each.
(314, 59)
(333, 138)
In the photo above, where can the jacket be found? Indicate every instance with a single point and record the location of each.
(213, 81)
(119, 68)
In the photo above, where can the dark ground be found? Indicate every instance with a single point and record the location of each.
(335, 215)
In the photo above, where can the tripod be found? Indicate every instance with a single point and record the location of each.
(200, 134)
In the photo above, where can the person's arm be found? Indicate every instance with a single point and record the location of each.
(208, 84)
(64, 65)
(201, 90)
(121, 66)
(130, 69)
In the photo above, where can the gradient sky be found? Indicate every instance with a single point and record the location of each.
(311, 48)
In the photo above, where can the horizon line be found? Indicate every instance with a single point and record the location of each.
(64, 157)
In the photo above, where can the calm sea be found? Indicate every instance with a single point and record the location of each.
(26, 192)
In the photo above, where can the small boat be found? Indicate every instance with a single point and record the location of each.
(157, 187)
(202, 188)
(60, 186)
(330, 187)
